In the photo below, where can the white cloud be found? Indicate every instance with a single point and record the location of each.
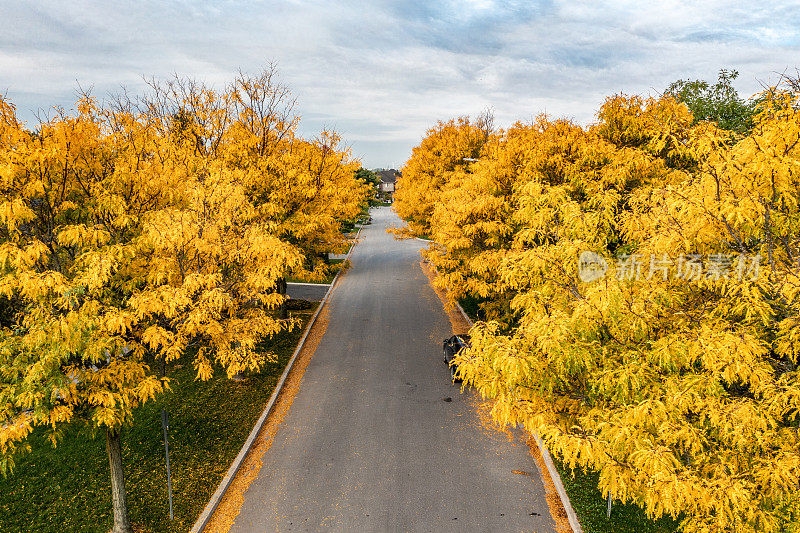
(383, 72)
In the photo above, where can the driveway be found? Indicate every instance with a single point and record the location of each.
(313, 292)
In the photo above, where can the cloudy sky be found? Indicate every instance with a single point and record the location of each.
(382, 72)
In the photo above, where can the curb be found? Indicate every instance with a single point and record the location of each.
(574, 523)
(548, 462)
(216, 498)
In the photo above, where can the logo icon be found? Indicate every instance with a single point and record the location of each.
(591, 266)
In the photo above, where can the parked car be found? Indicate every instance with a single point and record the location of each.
(451, 346)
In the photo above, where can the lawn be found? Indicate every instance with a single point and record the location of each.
(68, 488)
(590, 506)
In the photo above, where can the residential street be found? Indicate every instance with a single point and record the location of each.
(378, 438)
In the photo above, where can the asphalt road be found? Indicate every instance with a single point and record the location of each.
(378, 438)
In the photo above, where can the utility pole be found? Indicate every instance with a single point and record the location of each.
(165, 425)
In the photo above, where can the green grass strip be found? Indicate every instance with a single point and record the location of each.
(590, 505)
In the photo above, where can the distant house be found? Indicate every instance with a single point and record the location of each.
(388, 178)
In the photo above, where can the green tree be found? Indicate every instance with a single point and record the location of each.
(367, 176)
(718, 103)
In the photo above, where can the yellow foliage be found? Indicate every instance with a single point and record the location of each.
(683, 392)
(432, 164)
(136, 231)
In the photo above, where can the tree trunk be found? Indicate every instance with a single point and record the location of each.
(114, 449)
(282, 290)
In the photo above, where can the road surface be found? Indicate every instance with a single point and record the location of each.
(378, 438)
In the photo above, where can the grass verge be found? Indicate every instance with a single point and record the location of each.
(68, 488)
(470, 306)
(590, 505)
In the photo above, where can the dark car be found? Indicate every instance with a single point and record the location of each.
(452, 346)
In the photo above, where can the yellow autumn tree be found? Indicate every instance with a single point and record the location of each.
(313, 193)
(146, 230)
(472, 226)
(432, 164)
(304, 188)
(66, 253)
(674, 372)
